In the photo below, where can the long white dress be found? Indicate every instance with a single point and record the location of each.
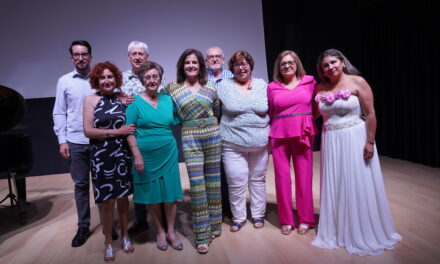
(354, 210)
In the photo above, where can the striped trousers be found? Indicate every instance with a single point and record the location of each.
(202, 150)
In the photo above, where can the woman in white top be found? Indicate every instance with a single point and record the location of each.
(244, 128)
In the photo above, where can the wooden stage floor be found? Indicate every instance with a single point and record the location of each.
(413, 192)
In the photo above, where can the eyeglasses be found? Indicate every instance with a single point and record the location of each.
(243, 65)
(287, 63)
(210, 57)
(84, 55)
(135, 53)
(152, 77)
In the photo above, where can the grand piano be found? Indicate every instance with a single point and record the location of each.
(15, 150)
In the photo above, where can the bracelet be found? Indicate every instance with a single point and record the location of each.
(372, 143)
(133, 146)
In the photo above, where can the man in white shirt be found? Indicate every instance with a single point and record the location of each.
(137, 55)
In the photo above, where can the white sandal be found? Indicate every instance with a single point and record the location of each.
(286, 229)
(203, 248)
(127, 246)
(109, 256)
(303, 229)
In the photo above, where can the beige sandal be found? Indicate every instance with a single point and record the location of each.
(176, 244)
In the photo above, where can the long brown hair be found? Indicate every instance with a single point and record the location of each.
(203, 73)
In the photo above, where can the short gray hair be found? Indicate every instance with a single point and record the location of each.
(146, 66)
(221, 51)
(137, 44)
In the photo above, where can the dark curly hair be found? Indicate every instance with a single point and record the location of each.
(239, 56)
(99, 68)
(203, 73)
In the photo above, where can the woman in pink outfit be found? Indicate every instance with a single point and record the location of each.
(291, 137)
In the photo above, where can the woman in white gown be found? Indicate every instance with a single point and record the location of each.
(354, 210)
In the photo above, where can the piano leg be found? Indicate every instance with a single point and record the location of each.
(20, 190)
(20, 185)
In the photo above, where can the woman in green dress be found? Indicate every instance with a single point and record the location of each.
(156, 169)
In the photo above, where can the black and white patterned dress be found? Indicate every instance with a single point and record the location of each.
(111, 157)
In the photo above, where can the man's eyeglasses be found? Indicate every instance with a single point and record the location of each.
(84, 55)
(210, 57)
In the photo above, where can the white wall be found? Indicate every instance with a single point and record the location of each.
(35, 35)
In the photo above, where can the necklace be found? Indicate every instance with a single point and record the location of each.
(247, 84)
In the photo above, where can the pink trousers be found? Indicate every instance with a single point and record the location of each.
(283, 149)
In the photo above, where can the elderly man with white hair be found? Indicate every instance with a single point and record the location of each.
(137, 55)
(215, 59)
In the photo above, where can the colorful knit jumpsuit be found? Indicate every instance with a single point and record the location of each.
(201, 145)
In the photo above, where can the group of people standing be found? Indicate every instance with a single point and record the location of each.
(231, 118)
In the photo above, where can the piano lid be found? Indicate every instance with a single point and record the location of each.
(12, 108)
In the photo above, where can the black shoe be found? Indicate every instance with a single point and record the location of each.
(115, 235)
(81, 236)
(138, 227)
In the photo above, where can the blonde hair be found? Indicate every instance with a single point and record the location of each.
(300, 72)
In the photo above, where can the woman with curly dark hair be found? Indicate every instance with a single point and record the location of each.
(104, 124)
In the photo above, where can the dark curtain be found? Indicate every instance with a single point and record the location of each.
(393, 45)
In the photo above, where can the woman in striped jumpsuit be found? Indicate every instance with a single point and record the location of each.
(198, 105)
